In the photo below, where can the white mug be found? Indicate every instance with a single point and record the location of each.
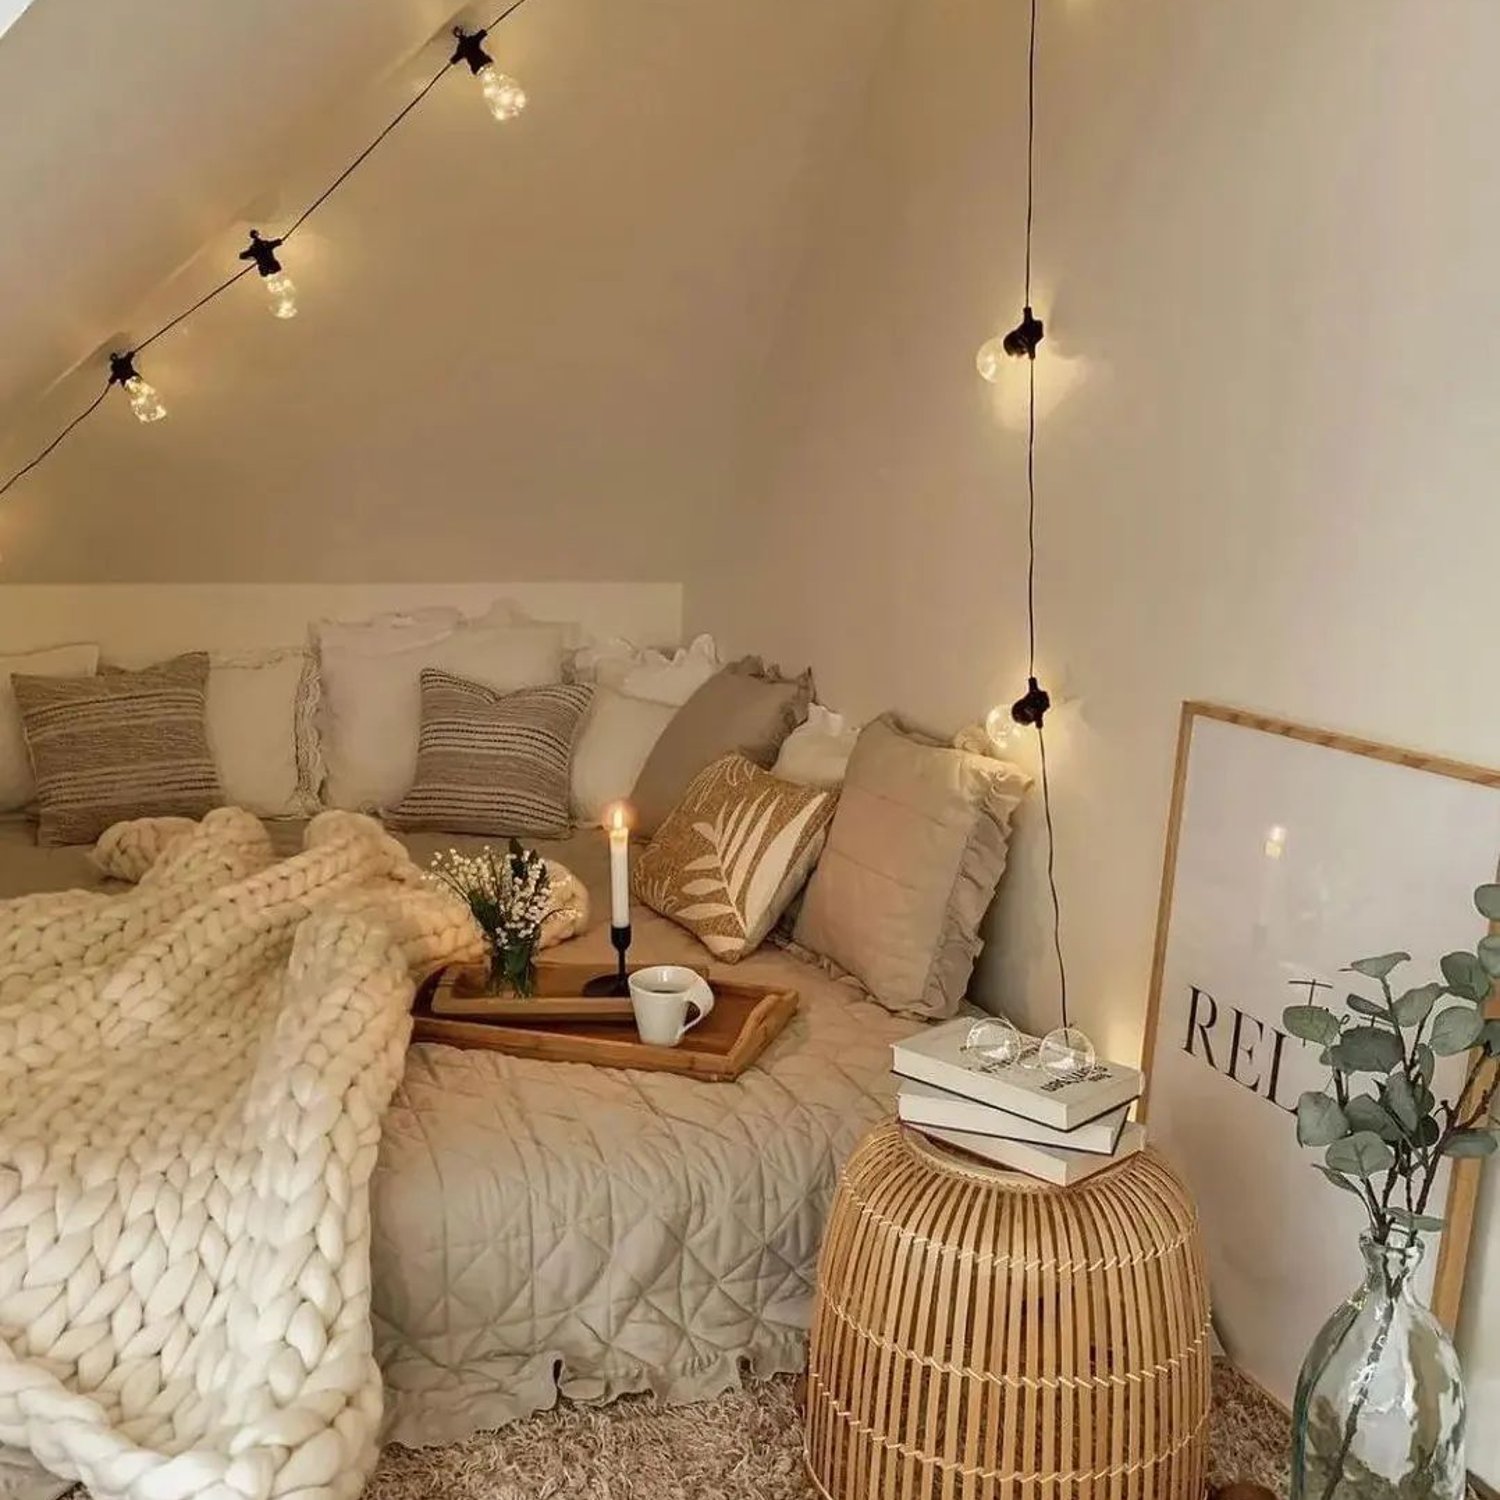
(660, 996)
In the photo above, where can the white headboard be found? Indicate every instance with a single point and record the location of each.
(135, 623)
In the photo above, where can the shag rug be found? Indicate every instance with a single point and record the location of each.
(746, 1445)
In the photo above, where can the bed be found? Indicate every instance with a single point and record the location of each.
(543, 1228)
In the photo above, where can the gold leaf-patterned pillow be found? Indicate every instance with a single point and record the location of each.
(729, 858)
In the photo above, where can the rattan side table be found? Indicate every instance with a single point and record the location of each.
(981, 1335)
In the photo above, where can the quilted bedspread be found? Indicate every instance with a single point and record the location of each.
(548, 1226)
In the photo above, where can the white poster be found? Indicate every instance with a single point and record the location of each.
(1295, 854)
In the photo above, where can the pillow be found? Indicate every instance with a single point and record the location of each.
(260, 727)
(123, 745)
(817, 753)
(491, 762)
(17, 784)
(914, 854)
(371, 703)
(742, 709)
(651, 675)
(616, 739)
(732, 855)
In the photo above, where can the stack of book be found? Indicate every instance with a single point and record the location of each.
(1062, 1127)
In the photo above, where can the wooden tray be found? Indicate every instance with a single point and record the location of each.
(458, 995)
(744, 1020)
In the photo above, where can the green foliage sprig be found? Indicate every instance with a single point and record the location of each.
(1383, 1132)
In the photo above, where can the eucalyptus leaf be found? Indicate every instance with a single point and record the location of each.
(1366, 1113)
(1378, 968)
(1401, 1101)
(1367, 1049)
(1455, 1030)
(1362, 1007)
(1312, 1023)
(1428, 1132)
(1490, 1037)
(1487, 900)
(1466, 976)
(1468, 1143)
(1362, 1154)
(1422, 1223)
(1320, 1121)
(1415, 1006)
(1340, 1181)
(1489, 955)
(1426, 1064)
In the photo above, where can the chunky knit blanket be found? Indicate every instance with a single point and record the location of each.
(192, 1078)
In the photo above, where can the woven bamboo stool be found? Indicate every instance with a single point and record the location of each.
(980, 1335)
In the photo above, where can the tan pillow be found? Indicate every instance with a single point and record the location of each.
(745, 709)
(913, 857)
(732, 855)
(117, 746)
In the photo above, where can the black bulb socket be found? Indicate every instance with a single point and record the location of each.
(1022, 341)
(1031, 707)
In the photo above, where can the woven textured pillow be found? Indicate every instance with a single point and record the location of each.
(492, 762)
(728, 860)
(122, 745)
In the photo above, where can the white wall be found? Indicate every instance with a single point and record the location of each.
(1266, 248)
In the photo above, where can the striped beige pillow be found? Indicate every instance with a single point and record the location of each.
(122, 745)
(492, 762)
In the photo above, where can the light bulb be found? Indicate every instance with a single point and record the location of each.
(994, 1043)
(144, 401)
(1066, 1051)
(504, 95)
(282, 291)
(999, 727)
(991, 358)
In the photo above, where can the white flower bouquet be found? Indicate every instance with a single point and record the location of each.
(510, 896)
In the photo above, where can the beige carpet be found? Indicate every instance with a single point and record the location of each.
(746, 1445)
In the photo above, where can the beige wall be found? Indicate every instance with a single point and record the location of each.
(521, 351)
(1266, 256)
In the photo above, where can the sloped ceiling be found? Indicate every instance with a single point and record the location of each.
(525, 348)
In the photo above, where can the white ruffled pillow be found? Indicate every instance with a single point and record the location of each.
(817, 752)
(371, 706)
(261, 730)
(17, 784)
(652, 675)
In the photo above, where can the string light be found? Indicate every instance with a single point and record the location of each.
(279, 286)
(144, 401)
(505, 97)
(1065, 1049)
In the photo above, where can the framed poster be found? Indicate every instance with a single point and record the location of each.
(1290, 853)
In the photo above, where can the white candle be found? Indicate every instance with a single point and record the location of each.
(619, 865)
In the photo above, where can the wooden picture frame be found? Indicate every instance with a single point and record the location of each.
(1462, 1194)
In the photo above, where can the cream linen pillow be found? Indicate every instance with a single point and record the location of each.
(744, 709)
(617, 737)
(731, 856)
(817, 753)
(17, 785)
(915, 851)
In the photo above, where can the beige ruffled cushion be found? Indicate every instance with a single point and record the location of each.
(914, 853)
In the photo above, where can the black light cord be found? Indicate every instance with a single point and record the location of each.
(229, 281)
(1038, 714)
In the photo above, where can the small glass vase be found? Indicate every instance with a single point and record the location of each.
(1379, 1413)
(513, 970)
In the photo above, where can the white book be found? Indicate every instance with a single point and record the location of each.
(922, 1104)
(1050, 1163)
(1064, 1101)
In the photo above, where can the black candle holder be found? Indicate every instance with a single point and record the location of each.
(616, 985)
